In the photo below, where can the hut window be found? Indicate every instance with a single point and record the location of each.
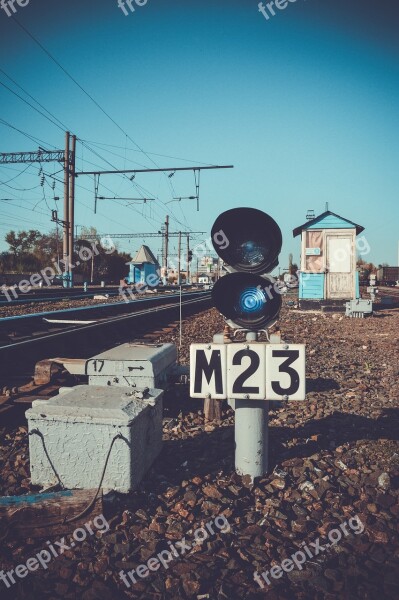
(314, 263)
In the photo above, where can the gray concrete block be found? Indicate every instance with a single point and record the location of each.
(77, 428)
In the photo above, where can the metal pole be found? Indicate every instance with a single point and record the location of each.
(251, 433)
(187, 260)
(181, 322)
(72, 207)
(251, 437)
(65, 239)
(166, 247)
(179, 260)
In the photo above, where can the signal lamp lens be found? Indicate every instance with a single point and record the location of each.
(247, 239)
(246, 300)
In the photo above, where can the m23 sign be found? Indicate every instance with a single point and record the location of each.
(255, 371)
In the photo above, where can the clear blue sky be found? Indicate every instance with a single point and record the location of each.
(305, 105)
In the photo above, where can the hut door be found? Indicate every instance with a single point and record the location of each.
(339, 276)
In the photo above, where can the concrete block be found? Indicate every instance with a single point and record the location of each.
(133, 365)
(76, 429)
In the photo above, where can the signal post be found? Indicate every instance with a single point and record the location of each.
(248, 373)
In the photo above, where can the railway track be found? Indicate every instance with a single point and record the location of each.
(26, 340)
(58, 294)
(387, 297)
(388, 291)
(18, 359)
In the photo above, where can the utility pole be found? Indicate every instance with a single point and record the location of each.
(65, 238)
(166, 247)
(179, 260)
(188, 260)
(40, 156)
(71, 213)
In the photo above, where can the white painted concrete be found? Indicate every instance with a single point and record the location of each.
(78, 427)
(133, 365)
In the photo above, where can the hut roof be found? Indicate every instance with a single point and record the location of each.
(144, 255)
(327, 220)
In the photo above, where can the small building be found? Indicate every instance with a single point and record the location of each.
(144, 268)
(388, 275)
(328, 258)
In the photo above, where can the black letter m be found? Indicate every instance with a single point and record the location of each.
(214, 367)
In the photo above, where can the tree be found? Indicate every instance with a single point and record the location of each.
(23, 241)
(31, 251)
(104, 264)
(47, 247)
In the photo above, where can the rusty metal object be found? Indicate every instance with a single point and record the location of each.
(46, 370)
(226, 334)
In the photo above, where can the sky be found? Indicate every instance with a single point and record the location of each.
(304, 104)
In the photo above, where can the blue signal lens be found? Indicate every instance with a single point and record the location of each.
(250, 253)
(247, 300)
(251, 300)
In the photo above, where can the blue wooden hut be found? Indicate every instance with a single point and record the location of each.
(328, 258)
(144, 268)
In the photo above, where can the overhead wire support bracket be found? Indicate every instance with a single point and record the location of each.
(31, 157)
(96, 184)
(197, 175)
(171, 170)
(168, 169)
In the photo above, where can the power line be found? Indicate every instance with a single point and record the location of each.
(31, 137)
(31, 105)
(34, 99)
(93, 100)
(151, 153)
(79, 86)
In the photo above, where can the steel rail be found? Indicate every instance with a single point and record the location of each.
(111, 307)
(105, 322)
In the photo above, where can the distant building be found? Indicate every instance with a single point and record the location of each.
(144, 268)
(388, 275)
(328, 258)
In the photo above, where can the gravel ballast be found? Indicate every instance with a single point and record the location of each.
(334, 462)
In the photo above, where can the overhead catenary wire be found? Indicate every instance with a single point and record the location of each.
(57, 122)
(29, 136)
(63, 125)
(90, 96)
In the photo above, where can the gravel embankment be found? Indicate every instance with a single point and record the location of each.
(333, 457)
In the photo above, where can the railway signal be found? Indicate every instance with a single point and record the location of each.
(247, 296)
(251, 372)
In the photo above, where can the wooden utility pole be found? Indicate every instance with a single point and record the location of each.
(65, 237)
(179, 260)
(71, 213)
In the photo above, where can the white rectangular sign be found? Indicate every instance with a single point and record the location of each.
(208, 371)
(246, 366)
(285, 377)
(255, 371)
